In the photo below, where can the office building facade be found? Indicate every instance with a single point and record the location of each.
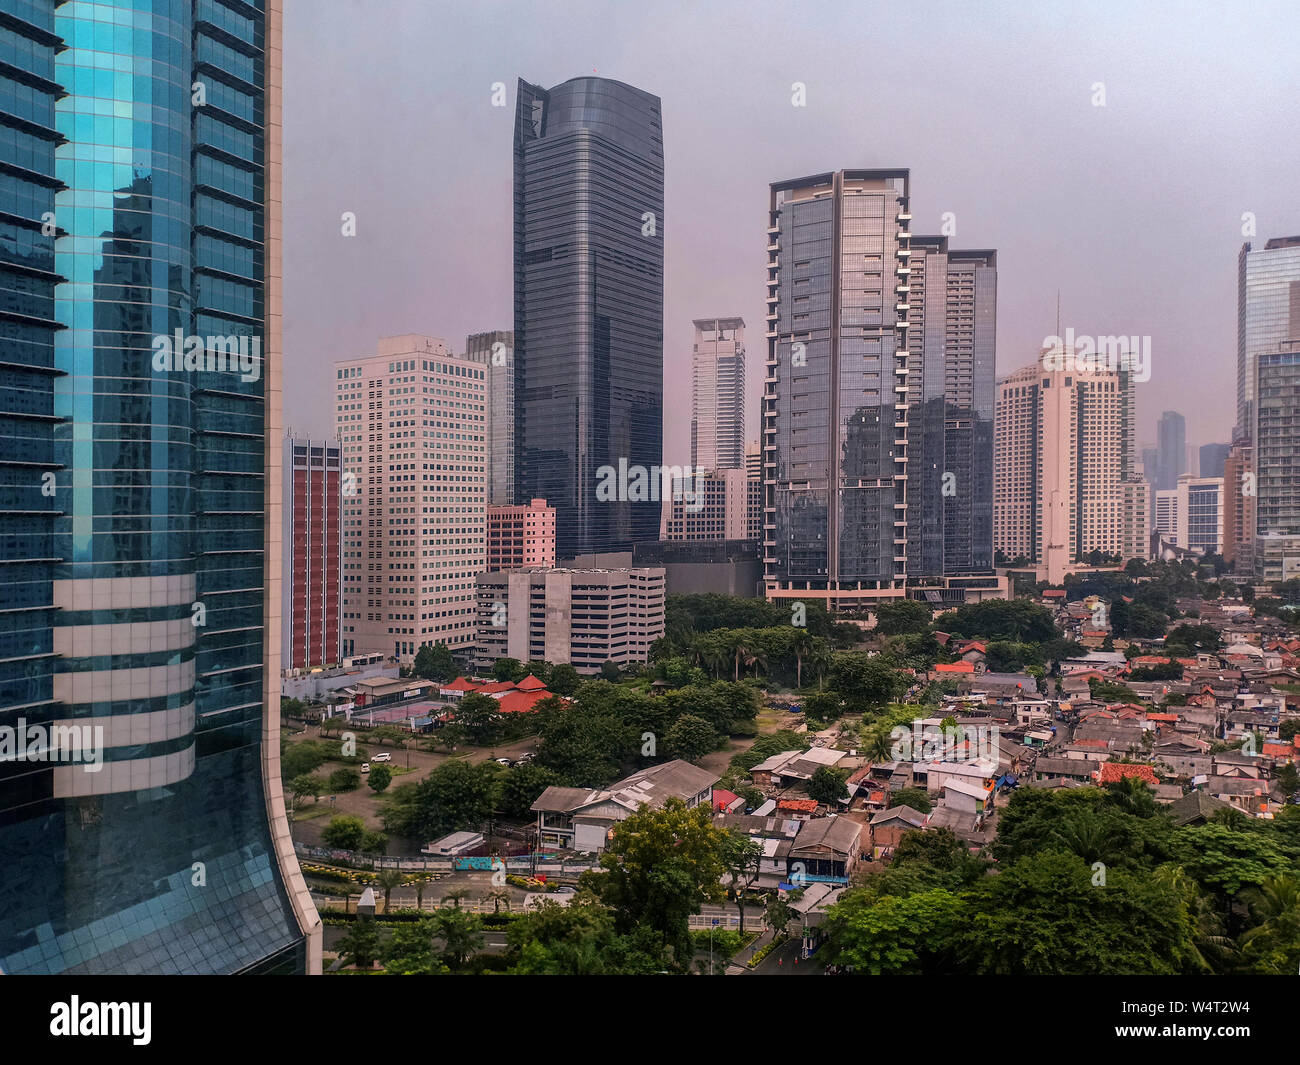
(588, 273)
(707, 506)
(1268, 312)
(313, 497)
(412, 427)
(141, 472)
(496, 351)
(1171, 450)
(1212, 457)
(521, 537)
(718, 394)
(878, 400)
(583, 617)
(1066, 483)
(1277, 462)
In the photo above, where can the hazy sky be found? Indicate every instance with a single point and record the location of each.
(1132, 210)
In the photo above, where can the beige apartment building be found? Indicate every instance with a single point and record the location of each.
(1065, 480)
(708, 506)
(581, 617)
(411, 425)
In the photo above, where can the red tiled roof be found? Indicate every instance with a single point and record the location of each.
(521, 702)
(497, 686)
(1162, 717)
(460, 684)
(955, 667)
(530, 684)
(1053, 593)
(1114, 771)
(1284, 750)
(802, 805)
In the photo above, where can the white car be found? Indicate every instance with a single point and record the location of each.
(384, 756)
(504, 761)
(365, 767)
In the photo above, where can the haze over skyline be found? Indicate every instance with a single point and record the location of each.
(1133, 210)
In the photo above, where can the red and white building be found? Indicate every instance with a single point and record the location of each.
(313, 494)
(521, 537)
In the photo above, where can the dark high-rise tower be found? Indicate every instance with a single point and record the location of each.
(140, 493)
(1171, 454)
(588, 217)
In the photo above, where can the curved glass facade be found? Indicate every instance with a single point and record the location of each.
(133, 524)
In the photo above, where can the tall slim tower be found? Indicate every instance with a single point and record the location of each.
(1268, 313)
(718, 394)
(496, 351)
(588, 261)
(1171, 458)
(313, 494)
(141, 479)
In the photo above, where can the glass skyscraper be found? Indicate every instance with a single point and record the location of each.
(140, 500)
(588, 261)
(878, 402)
(1268, 312)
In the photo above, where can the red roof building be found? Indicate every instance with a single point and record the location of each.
(1111, 772)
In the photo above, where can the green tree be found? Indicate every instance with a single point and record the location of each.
(1051, 915)
(660, 867)
(915, 934)
(306, 784)
(435, 663)
(827, 785)
(300, 759)
(564, 679)
(610, 671)
(461, 934)
(380, 777)
(1272, 945)
(902, 616)
(865, 681)
(1019, 620)
(410, 952)
(521, 786)
(454, 796)
(510, 669)
(916, 798)
(344, 832)
(360, 946)
(344, 780)
(777, 914)
(481, 718)
(387, 880)
(690, 738)
(741, 856)
(823, 706)
(374, 843)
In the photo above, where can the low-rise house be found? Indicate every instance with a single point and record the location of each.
(889, 826)
(1079, 769)
(581, 818)
(969, 797)
(1112, 772)
(827, 850)
(1196, 808)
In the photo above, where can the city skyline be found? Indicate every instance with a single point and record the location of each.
(1052, 236)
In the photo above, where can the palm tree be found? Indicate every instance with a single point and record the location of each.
(1270, 944)
(387, 880)
(800, 644)
(741, 650)
(420, 884)
(456, 896)
(499, 896)
(879, 747)
(820, 658)
(461, 935)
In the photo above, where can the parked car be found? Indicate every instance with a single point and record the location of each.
(383, 756)
(504, 761)
(365, 767)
